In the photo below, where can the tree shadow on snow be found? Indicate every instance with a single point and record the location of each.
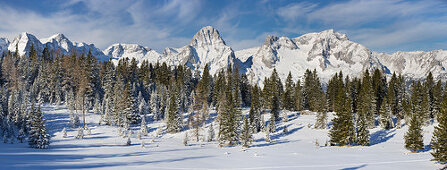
(280, 134)
(72, 161)
(381, 136)
(355, 167)
(426, 148)
(274, 142)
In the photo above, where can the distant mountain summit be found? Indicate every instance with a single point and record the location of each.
(328, 52)
(24, 41)
(206, 47)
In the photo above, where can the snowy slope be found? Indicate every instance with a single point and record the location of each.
(140, 53)
(104, 149)
(416, 64)
(328, 52)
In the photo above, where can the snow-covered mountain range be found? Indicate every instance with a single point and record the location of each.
(24, 41)
(328, 52)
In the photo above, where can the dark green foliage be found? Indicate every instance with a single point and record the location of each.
(413, 138)
(439, 139)
(246, 134)
(342, 133)
(312, 91)
(288, 96)
(38, 136)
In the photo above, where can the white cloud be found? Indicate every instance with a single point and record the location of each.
(378, 24)
(106, 22)
(292, 12)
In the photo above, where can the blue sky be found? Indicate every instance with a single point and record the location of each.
(381, 25)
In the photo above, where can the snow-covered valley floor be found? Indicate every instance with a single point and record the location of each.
(104, 149)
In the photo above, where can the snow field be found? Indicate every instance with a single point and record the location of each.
(104, 149)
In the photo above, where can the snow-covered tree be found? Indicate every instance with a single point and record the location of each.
(80, 134)
(38, 136)
(185, 139)
(246, 134)
(439, 139)
(143, 127)
(211, 133)
(413, 138)
(385, 115)
(64, 132)
(129, 142)
(272, 126)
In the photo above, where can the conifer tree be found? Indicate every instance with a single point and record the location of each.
(267, 136)
(255, 110)
(246, 135)
(437, 100)
(143, 127)
(272, 125)
(185, 139)
(365, 100)
(21, 136)
(129, 142)
(172, 124)
(439, 139)
(321, 122)
(385, 115)
(38, 136)
(362, 131)
(298, 96)
(64, 132)
(413, 137)
(288, 96)
(211, 133)
(275, 108)
(342, 133)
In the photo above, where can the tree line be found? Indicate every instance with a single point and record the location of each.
(128, 93)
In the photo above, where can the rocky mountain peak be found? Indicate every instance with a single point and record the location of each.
(207, 36)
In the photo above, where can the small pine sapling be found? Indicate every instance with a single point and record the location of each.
(129, 142)
(139, 135)
(285, 117)
(80, 133)
(64, 133)
(211, 133)
(185, 139)
(285, 130)
(272, 126)
(21, 136)
(267, 136)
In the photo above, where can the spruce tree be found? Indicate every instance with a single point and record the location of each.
(321, 122)
(439, 139)
(272, 125)
(298, 96)
(365, 100)
(38, 136)
(246, 135)
(288, 96)
(172, 124)
(362, 130)
(385, 115)
(143, 127)
(413, 137)
(211, 133)
(342, 133)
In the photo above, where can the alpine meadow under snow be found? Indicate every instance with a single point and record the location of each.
(317, 101)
